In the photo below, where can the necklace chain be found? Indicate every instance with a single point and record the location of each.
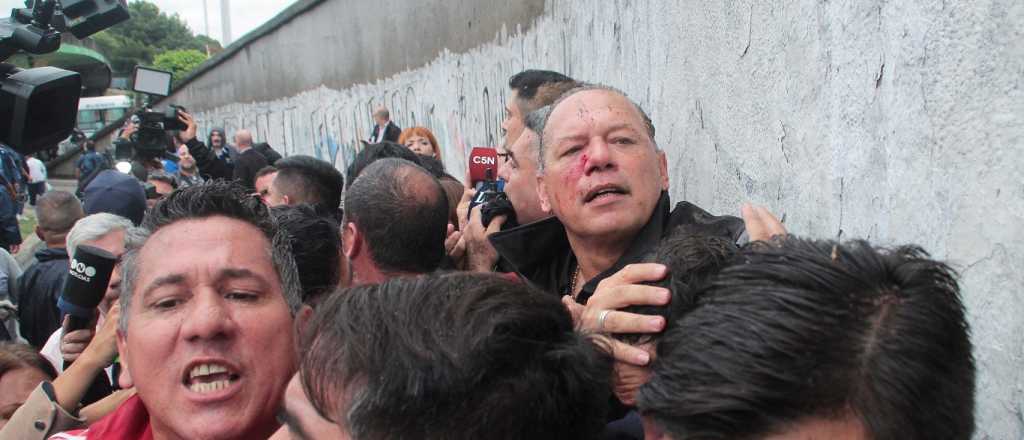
(572, 283)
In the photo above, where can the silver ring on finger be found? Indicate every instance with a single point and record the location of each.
(600, 320)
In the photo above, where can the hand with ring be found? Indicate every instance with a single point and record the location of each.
(602, 313)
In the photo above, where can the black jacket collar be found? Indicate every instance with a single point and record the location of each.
(541, 254)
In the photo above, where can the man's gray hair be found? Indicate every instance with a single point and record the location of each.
(537, 120)
(95, 227)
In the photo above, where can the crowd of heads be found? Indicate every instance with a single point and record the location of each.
(330, 305)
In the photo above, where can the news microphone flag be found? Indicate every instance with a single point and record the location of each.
(88, 276)
(483, 165)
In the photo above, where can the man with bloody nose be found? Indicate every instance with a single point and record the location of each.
(602, 175)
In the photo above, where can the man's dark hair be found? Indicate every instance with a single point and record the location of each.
(691, 256)
(373, 152)
(269, 169)
(310, 180)
(316, 246)
(165, 178)
(433, 165)
(527, 82)
(454, 356)
(402, 211)
(800, 330)
(216, 198)
(57, 211)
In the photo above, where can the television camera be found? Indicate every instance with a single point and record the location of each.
(38, 107)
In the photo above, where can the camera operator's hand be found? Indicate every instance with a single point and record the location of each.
(455, 246)
(129, 129)
(480, 255)
(189, 132)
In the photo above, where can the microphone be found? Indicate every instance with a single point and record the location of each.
(483, 165)
(87, 280)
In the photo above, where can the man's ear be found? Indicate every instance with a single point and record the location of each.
(125, 380)
(351, 240)
(542, 194)
(287, 200)
(40, 234)
(302, 320)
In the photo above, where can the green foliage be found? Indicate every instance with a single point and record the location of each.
(179, 62)
(148, 33)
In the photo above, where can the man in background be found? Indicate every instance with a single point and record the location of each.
(41, 284)
(384, 129)
(248, 162)
(307, 180)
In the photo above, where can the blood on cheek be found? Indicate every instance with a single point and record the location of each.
(576, 171)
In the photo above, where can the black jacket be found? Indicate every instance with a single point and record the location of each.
(249, 163)
(540, 252)
(38, 290)
(210, 166)
(391, 132)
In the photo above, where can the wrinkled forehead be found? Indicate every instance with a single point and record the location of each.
(588, 108)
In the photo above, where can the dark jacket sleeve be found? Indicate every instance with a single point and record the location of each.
(10, 234)
(207, 162)
(392, 133)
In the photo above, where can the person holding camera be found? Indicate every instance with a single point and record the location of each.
(204, 156)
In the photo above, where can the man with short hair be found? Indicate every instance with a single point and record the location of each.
(264, 177)
(163, 185)
(396, 216)
(188, 171)
(468, 356)
(308, 180)
(816, 339)
(316, 246)
(41, 284)
(248, 162)
(530, 90)
(384, 129)
(205, 331)
(371, 153)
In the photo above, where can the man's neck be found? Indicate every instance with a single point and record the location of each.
(187, 172)
(243, 148)
(596, 255)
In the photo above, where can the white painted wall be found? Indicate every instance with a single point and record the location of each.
(896, 121)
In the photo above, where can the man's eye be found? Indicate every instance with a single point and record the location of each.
(623, 141)
(571, 150)
(242, 296)
(166, 304)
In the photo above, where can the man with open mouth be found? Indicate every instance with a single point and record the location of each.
(206, 333)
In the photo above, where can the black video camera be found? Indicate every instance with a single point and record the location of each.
(39, 107)
(150, 141)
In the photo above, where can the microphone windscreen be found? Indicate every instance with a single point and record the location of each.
(88, 276)
(482, 159)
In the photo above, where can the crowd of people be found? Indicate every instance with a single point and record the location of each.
(258, 296)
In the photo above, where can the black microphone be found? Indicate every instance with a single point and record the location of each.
(87, 280)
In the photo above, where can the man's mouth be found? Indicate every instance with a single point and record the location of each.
(604, 191)
(209, 377)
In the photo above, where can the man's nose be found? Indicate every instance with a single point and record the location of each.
(598, 156)
(208, 318)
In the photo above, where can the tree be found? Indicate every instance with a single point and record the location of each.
(149, 32)
(179, 62)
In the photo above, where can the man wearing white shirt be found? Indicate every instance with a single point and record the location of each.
(36, 178)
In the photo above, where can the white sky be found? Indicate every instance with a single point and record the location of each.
(246, 15)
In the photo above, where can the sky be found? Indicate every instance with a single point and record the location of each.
(246, 15)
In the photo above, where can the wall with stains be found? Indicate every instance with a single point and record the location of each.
(898, 122)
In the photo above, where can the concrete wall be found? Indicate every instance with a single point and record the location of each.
(899, 122)
(339, 43)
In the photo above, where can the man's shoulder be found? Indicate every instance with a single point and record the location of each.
(686, 213)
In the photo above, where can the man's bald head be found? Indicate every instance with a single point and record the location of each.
(402, 211)
(243, 138)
